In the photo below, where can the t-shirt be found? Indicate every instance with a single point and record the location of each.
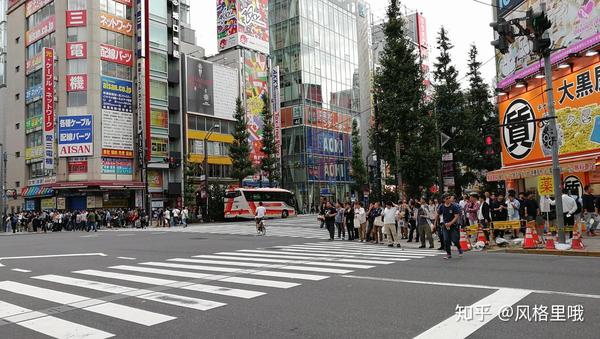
(261, 211)
(588, 203)
(448, 212)
(330, 214)
(389, 215)
(531, 206)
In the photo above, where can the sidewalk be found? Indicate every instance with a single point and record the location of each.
(591, 249)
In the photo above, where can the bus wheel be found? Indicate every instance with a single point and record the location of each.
(284, 214)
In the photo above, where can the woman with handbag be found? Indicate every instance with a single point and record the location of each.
(377, 224)
(349, 216)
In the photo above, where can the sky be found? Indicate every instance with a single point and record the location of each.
(467, 22)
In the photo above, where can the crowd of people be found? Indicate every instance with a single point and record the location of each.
(422, 220)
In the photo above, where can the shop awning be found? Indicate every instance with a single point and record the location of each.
(100, 184)
(36, 192)
(543, 168)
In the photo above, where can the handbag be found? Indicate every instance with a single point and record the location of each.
(378, 221)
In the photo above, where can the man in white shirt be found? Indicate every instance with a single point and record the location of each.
(261, 211)
(569, 208)
(389, 223)
(361, 216)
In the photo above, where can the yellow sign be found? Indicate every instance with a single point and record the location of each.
(48, 204)
(545, 185)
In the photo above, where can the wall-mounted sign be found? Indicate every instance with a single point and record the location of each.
(76, 18)
(48, 107)
(116, 54)
(40, 30)
(76, 82)
(76, 50)
(116, 24)
(75, 135)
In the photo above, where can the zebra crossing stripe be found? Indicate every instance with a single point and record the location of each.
(110, 309)
(359, 252)
(355, 253)
(231, 292)
(218, 262)
(367, 247)
(336, 263)
(195, 267)
(321, 255)
(252, 255)
(166, 298)
(291, 275)
(48, 325)
(260, 282)
(127, 277)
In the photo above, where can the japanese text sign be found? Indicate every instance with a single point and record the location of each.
(76, 82)
(116, 94)
(76, 50)
(75, 135)
(33, 6)
(545, 185)
(40, 30)
(116, 54)
(76, 18)
(48, 107)
(116, 24)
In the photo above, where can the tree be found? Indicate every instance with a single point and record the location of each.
(239, 150)
(269, 161)
(402, 121)
(191, 172)
(359, 171)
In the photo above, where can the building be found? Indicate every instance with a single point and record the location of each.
(96, 97)
(526, 147)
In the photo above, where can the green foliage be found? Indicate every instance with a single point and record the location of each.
(216, 202)
(191, 171)
(269, 162)
(239, 150)
(359, 171)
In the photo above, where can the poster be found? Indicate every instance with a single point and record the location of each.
(324, 142)
(48, 204)
(77, 82)
(243, 23)
(33, 123)
(33, 64)
(226, 23)
(160, 147)
(545, 184)
(77, 165)
(42, 29)
(116, 55)
(159, 118)
(48, 107)
(77, 50)
(574, 29)
(75, 135)
(155, 180)
(117, 166)
(577, 101)
(256, 84)
(327, 169)
(33, 93)
(116, 24)
(200, 98)
(117, 117)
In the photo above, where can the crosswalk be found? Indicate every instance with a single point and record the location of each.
(215, 280)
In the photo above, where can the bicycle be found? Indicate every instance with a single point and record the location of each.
(261, 228)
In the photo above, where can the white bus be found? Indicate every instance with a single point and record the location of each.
(242, 202)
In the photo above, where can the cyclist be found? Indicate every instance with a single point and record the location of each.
(260, 215)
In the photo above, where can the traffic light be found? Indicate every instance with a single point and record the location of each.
(489, 145)
(537, 23)
(506, 35)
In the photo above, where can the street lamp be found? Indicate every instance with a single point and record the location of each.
(208, 134)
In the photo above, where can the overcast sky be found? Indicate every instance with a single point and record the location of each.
(466, 20)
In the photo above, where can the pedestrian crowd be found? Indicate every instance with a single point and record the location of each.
(171, 217)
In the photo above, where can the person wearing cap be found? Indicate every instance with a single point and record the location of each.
(450, 213)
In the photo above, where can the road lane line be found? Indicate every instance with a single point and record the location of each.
(20, 270)
(458, 327)
(251, 255)
(126, 258)
(331, 263)
(367, 248)
(52, 256)
(315, 269)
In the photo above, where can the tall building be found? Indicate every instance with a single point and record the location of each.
(315, 45)
(95, 97)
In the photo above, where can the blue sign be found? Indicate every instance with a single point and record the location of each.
(328, 169)
(75, 135)
(117, 94)
(504, 6)
(325, 142)
(33, 93)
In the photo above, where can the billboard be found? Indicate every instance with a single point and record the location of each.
(33, 123)
(117, 117)
(327, 169)
(116, 55)
(48, 107)
(324, 142)
(243, 23)
(224, 93)
(574, 28)
(75, 135)
(159, 118)
(77, 82)
(577, 97)
(155, 180)
(256, 83)
(117, 166)
(200, 97)
(116, 24)
(42, 29)
(76, 50)
(32, 6)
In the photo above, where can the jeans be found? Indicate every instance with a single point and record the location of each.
(591, 226)
(370, 231)
(451, 236)
(341, 229)
(413, 227)
(331, 229)
(440, 234)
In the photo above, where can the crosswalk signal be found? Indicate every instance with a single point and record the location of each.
(537, 23)
(506, 35)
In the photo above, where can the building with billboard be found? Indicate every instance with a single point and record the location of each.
(526, 147)
(94, 100)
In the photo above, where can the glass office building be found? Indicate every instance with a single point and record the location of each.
(314, 43)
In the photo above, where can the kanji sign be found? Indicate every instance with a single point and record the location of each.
(519, 129)
(48, 107)
(117, 117)
(76, 82)
(116, 24)
(116, 54)
(75, 135)
(76, 50)
(76, 18)
(545, 185)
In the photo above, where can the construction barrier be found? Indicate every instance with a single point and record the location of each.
(506, 225)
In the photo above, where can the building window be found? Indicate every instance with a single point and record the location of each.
(158, 62)
(77, 66)
(41, 15)
(112, 69)
(34, 139)
(17, 184)
(77, 4)
(158, 90)
(17, 125)
(36, 47)
(36, 170)
(33, 109)
(158, 9)
(184, 13)
(17, 39)
(75, 34)
(115, 8)
(115, 39)
(159, 118)
(158, 35)
(17, 96)
(77, 99)
(17, 154)
(17, 69)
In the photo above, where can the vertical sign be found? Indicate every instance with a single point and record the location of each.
(48, 107)
(175, 27)
(143, 81)
(140, 28)
(276, 100)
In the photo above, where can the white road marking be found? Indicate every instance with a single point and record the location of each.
(53, 256)
(260, 282)
(252, 255)
(90, 236)
(356, 253)
(291, 275)
(195, 267)
(330, 263)
(126, 258)
(122, 312)
(231, 292)
(456, 327)
(48, 325)
(127, 277)
(367, 248)
(316, 269)
(20, 270)
(219, 262)
(181, 301)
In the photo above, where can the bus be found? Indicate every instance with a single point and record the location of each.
(242, 202)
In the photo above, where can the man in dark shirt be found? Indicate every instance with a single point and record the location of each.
(330, 213)
(450, 213)
(590, 211)
(532, 208)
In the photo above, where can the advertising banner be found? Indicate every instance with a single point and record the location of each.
(48, 204)
(155, 180)
(33, 64)
(116, 24)
(117, 117)
(327, 119)
(76, 82)
(227, 23)
(256, 83)
(32, 153)
(324, 142)
(253, 24)
(116, 54)
(574, 28)
(40, 30)
(76, 18)
(117, 166)
(32, 6)
(77, 165)
(159, 118)
(327, 169)
(75, 135)
(76, 50)
(577, 103)
(200, 98)
(48, 107)
(276, 100)
(117, 94)
(33, 123)
(34, 93)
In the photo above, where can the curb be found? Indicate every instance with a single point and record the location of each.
(573, 253)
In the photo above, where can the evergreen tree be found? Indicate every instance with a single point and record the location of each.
(402, 121)
(269, 161)
(191, 173)
(239, 150)
(359, 171)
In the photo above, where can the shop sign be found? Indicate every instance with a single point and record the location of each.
(33, 123)
(33, 64)
(116, 54)
(75, 135)
(48, 107)
(33, 6)
(77, 165)
(76, 50)
(76, 82)
(117, 166)
(76, 18)
(41, 30)
(33, 93)
(35, 152)
(48, 203)
(545, 185)
(116, 24)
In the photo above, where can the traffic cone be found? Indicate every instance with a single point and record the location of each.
(550, 242)
(481, 235)
(529, 243)
(464, 243)
(576, 243)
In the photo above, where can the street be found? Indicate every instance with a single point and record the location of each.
(222, 281)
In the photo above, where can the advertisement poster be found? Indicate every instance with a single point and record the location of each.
(574, 28)
(33, 64)
(159, 118)
(324, 142)
(117, 166)
(225, 94)
(75, 135)
(256, 83)
(32, 153)
(117, 117)
(33, 123)
(34, 93)
(48, 107)
(577, 97)
(77, 82)
(76, 18)
(40, 30)
(200, 98)
(253, 24)
(326, 169)
(48, 204)
(32, 6)
(227, 23)
(116, 54)
(116, 24)
(155, 180)
(76, 50)
(77, 165)
(276, 100)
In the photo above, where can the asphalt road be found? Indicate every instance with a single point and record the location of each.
(221, 281)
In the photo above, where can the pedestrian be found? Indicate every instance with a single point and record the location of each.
(499, 212)
(184, 216)
(472, 207)
(322, 207)
(167, 215)
(513, 206)
(377, 235)
(590, 211)
(451, 214)
(330, 213)
(389, 224)
(484, 216)
(405, 217)
(176, 214)
(349, 218)
(92, 221)
(423, 223)
(569, 209)
(339, 221)
(413, 222)
(370, 220)
(361, 215)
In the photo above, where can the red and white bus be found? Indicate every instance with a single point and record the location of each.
(242, 202)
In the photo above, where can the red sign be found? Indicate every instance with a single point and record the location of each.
(125, 2)
(48, 107)
(76, 50)
(76, 18)
(33, 6)
(33, 64)
(77, 166)
(116, 54)
(76, 82)
(41, 30)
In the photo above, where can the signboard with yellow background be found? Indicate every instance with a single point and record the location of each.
(577, 102)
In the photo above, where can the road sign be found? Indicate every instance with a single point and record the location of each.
(445, 138)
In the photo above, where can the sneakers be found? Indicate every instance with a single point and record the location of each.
(422, 246)
(391, 245)
(447, 257)
(398, 245)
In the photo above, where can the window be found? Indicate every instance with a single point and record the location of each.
(17, 69)
(159, 118)
(77, 66)
(39, 16)
(158, 90)
(36, 170)
(36, 47)
(115, 70)
(17, 154)
(158, 35)
(17, 40)
(159, 147)
(33, 139)
(77, 4)
(33, 79)
(17, 125)
(17, 96)
(158, 62)
(115, 8)
(158, 8)
(75, 34)
(115, 39)
(17, 184)
(184, 13)
(77, 99)
(33, 109)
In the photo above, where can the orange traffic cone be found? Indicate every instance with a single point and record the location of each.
(464, 243)
(481, 235)
(550, 242)
(529, 242)
(536, 237)
(576, 243)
